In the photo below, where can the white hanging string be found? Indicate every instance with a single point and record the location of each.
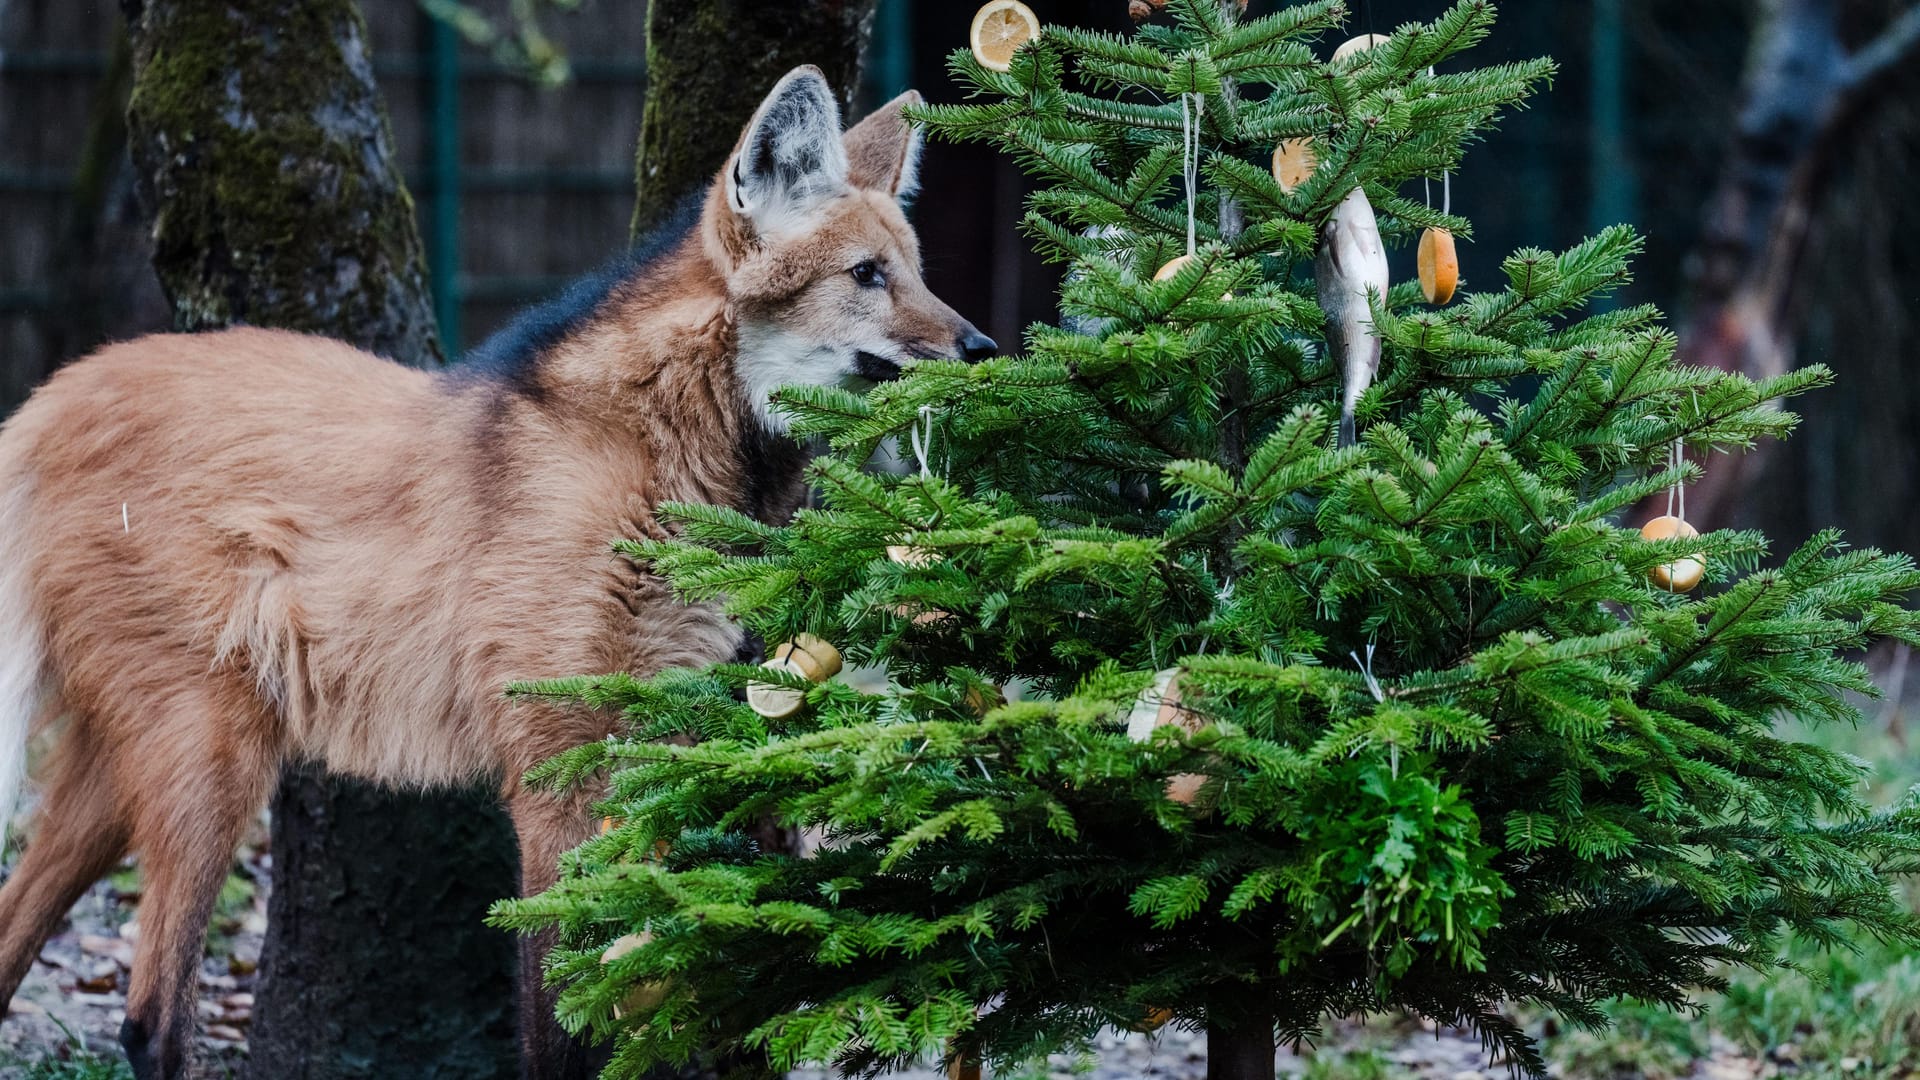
(1446, 181)
(1426, 185)
(1677, 494)
(1366, 671)
(1670, 487)
(1190, 153)
(921, 438)
(1379, 695)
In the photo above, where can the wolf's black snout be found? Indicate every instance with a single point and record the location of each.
(975, 345)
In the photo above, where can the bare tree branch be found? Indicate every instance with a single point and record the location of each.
(1898, 44)
(1802, 97)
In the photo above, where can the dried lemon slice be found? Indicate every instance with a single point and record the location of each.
(806, 656)
(1174, 266)
(642, 997)
(999, 29)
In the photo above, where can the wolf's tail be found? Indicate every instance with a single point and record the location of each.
(21, 641)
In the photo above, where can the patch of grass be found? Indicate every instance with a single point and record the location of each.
(68, 1061)
(1854, 1011)
(1645, 1042)
(125, 879)
(1349, 1065)
(1051, 1068)
(229, 911)
(82, 1066)
(230, 908)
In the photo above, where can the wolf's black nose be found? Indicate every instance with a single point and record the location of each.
(975, 345)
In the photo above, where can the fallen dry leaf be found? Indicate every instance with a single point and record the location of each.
(118, 950)
(235, 1010)
(52, 960)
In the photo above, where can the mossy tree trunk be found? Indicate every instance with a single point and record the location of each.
(264, 156)
(709, 62)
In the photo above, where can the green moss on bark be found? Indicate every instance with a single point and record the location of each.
(265, 154)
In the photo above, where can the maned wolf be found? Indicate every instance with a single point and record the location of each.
(220, 551)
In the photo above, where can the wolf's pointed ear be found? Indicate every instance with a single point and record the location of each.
(790, 157)
(883, 150)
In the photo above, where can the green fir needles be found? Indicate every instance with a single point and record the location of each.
(1459, 752)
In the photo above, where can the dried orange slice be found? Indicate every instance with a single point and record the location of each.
(1439, 265)
(1353, 45)
(1154, 1020)
(1293, 161)
(1000, 27)
(1681, 575)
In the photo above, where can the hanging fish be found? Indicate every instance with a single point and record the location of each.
(1351, 263)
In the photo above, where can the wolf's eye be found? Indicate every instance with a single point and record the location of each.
(868, 274)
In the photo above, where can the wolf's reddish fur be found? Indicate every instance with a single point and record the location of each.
(235, 548)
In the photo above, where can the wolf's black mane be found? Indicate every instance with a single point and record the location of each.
(512, 355)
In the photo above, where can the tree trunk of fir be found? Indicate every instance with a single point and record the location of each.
(709, 62)
(1243, 1052)
(264, 156)
(1802, 97)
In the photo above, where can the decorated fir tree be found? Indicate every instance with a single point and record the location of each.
(1302, 729)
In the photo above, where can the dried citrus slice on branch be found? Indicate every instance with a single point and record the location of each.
(1681, 575)
(999, 29)
(1439, 265)
(1359, 44)
(807, 656)
(1173, 267)
(1293, 161)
